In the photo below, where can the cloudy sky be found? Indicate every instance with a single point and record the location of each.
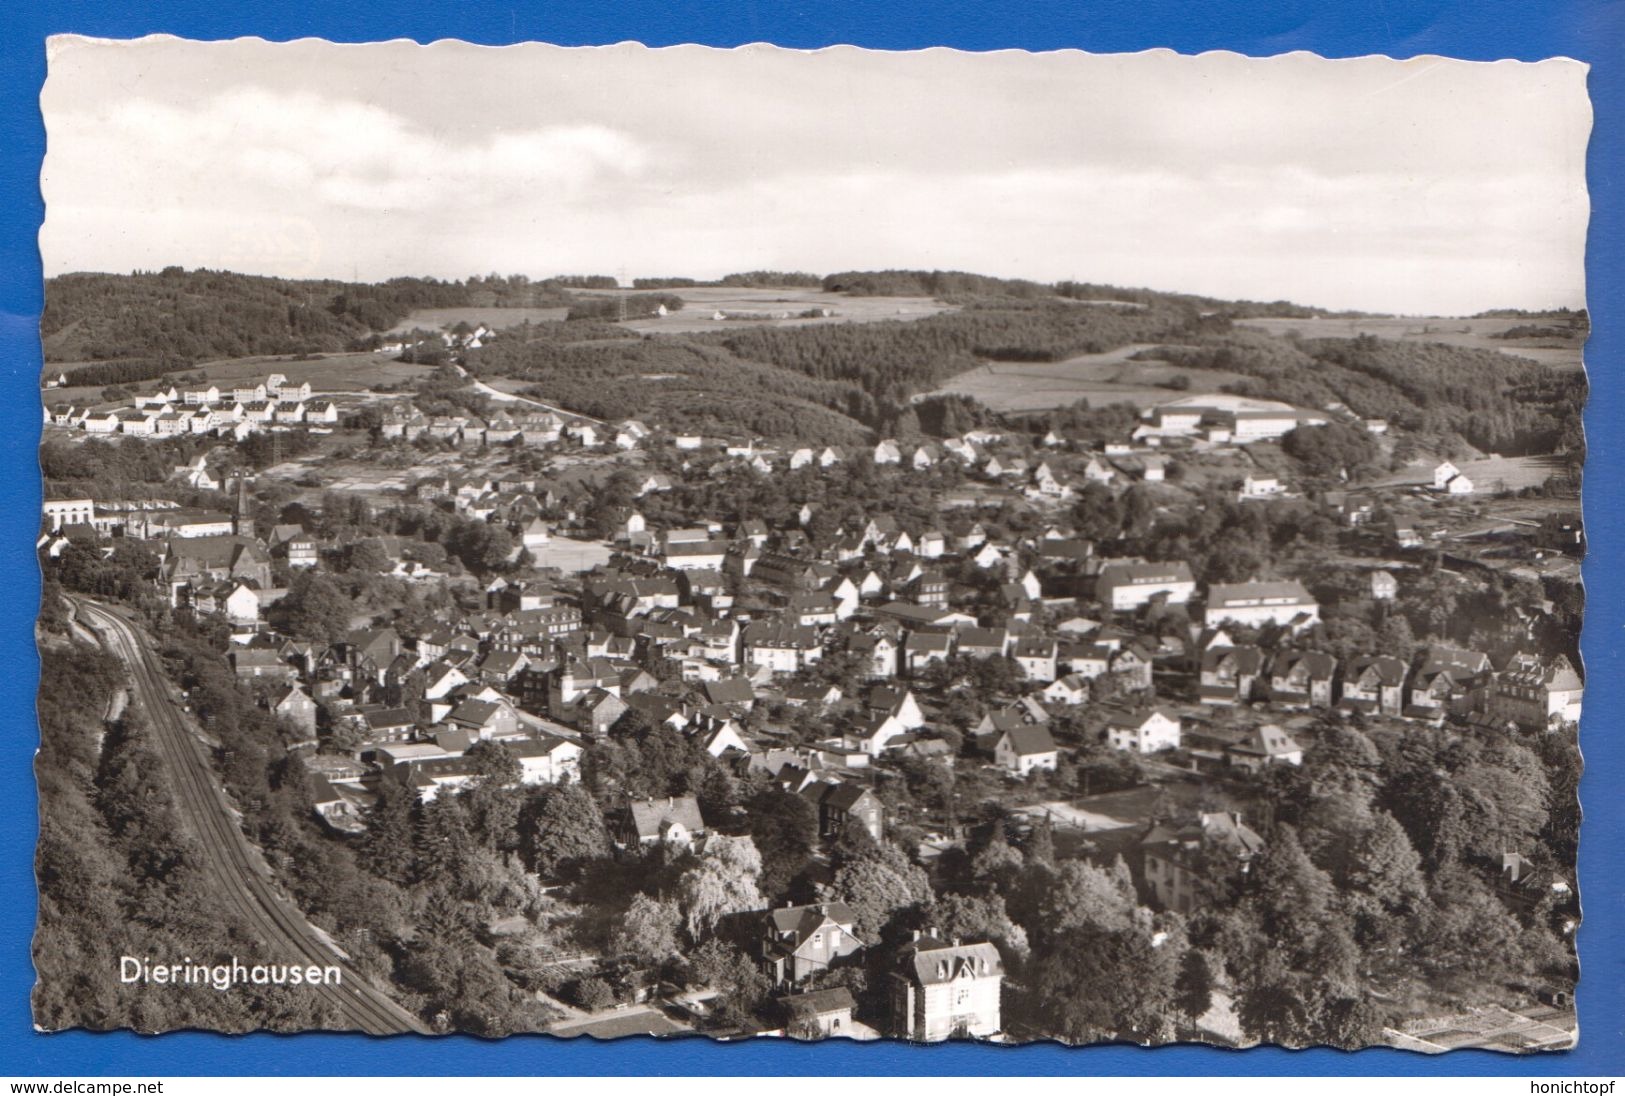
(1424, 186)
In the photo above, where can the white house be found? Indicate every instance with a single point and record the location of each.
(1143, 732)
(60, 512)
(1126, 585)
(546, 759)
(1260, 487)
(243, 604)
(1026, 749)
(1252, 604)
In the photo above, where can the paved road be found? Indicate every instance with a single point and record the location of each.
(232, 866)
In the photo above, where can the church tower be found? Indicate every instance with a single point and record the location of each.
(242, 518)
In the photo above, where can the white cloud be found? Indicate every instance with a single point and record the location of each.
(1430, 185)
(313, 149)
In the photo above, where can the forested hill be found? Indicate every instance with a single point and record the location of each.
(828, 381)
(956, 285)
(1495, 402)
(820, 382)
(179, 317)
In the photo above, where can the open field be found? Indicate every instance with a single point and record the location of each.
(433, 319)
(1533, 1027)
(637, 1020)
(1489, 474)
(1515, 473)
(327, 373)
(1132, 807)
(1100, 378)
(332, 373)
(571, 556)
(1474, 334)
(702, 302)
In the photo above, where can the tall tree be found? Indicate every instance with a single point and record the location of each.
(314, 608)
(386, 848)
(714, 888)
(561, 829)
(1094, 984)
(648, 931)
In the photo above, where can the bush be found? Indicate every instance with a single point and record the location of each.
(592, 994)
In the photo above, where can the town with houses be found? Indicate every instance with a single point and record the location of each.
(837, 767)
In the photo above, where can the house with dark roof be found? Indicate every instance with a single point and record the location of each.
(1526, 885)
(898, 702)
(389, 725)
(1228, 674)
(484, 719)
(499, 666)
(977, 642)
(1143, 731)
(1444, 680)
(1179, 860)
(879, 653)
(1126, 585)
(1036, 655)
(546, 758)
(1265, 746)
(1301, 678)
(820, 1014)
(797, 942)
(598, 711)
(293, 704)
(812, 694)
(781, 648)
(942, 989)
(840, 805)
(877, 733)
(1256, 604)
(1026, 749)
(1536, 693)
(1022, 712)
(260, 662)
(923, 648)
(1373, 685)
(674, 820)
(428, 777)
(731, 692)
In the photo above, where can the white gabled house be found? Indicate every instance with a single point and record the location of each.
(1026, 749)
(1144, 732)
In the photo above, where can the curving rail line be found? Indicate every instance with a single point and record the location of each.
(242, 880)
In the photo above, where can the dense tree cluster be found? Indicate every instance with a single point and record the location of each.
(894, 359)
(1334, 450)
(175, 317)
(1496, 402)
(630, 306)
(679, 383)
(772, 279)
(119, 875)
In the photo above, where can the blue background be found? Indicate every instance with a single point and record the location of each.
(1591, 30)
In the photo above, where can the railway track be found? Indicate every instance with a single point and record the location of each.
(241, 879)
